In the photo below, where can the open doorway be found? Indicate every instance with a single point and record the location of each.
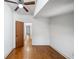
(23, 34)
(28, 35)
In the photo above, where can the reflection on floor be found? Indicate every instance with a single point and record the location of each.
(34, 52)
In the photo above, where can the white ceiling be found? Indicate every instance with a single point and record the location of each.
(52, 8)
(31, 8)
(56, 7)
(39, 5)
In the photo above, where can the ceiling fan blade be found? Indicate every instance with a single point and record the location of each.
(16, 8)
(26, 9)
(11, 1)
(29, 3)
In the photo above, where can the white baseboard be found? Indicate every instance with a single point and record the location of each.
(5, 56)
(40, 44)
(60, 53)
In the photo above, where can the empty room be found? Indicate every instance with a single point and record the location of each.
(39, 29)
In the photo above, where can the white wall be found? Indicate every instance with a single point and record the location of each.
(23, 18)
(8, 28)
(38, 26)
(40, 32)
(62, 34)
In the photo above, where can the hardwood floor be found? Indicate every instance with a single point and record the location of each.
(34, 52)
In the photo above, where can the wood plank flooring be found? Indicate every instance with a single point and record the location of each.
(34, 52)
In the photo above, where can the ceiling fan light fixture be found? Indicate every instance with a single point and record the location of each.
(20, 5)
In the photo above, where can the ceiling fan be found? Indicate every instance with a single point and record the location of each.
(20, 4)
